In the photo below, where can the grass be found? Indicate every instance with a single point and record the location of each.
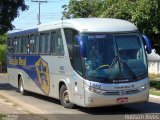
(3, 117)
(154, 91)
(154, 76)
(154, 87)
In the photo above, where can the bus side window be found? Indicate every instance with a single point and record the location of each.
(77, 58)
(73, 49)
(31, 41)
(44, 43)
(19, 45)
(69, 35)
(15, 47)
(47, 43)
(24, 44)
(59, 49)
(52, 43)
(22, 40)
(36, 44)
(10, 45)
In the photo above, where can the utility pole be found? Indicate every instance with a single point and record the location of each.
(39, 14)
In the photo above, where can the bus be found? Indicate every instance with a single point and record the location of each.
(89, 62)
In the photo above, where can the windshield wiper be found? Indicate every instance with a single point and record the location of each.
(141, 74)
(130, 70)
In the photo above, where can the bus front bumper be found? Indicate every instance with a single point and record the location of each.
(96, 100)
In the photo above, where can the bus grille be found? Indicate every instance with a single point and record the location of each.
(113, 92)
(121, 92)
(130, 92)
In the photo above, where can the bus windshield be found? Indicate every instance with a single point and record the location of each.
(114, 57)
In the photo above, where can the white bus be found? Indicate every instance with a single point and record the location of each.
(89, 62)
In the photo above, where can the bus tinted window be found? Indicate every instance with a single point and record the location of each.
(59, 43)
(19, 45)
(24, 44)
(41, 43)
(9, 45)
(52, 43)
(73, 49)
(32, 47)
(44, 43)
(47, 43)
(36, 44)
(15, 47)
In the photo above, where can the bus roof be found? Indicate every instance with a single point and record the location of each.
(83, 25)
(100, 25)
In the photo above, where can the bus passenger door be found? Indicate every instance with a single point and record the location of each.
(77, 77)
(75, 60)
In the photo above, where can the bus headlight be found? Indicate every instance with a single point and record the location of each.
(144, 87)
(94, 90)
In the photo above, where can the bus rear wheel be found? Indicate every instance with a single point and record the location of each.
(21, 87)
(64, 97)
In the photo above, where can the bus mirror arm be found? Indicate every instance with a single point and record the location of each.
(147, 42)
(81, 46)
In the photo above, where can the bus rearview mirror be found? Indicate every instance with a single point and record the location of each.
(147, 42)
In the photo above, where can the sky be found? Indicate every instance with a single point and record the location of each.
(50, 11)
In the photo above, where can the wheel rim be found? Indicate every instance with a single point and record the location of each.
(65, 96)
(21, 87)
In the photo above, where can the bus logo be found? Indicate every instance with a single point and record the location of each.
(122, 92)
(43, 76)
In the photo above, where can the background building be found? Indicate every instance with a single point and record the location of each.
(153, 63)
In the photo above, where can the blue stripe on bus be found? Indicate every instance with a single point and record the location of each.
(35, 67)
(24, 32)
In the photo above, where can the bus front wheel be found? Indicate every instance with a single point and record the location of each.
(64, 97)
(21, 87)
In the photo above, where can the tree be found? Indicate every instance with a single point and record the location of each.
(2, 54)
(9, 9)
(83, 8)
(145, 14)
(3, 39)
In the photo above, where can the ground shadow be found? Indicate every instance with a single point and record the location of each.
(140, 108)
(7, 87)
(42, 97)
(149, 107)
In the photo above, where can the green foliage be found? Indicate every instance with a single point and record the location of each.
(143, 13)
(2, 54)
(3, 117)
(83, 8)
(3, 39)
(9, 10)
(155, 84)
(117, 9)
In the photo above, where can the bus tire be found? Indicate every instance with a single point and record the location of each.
(21, 87)
(64, 97)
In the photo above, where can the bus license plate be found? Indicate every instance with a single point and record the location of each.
(123, 99)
